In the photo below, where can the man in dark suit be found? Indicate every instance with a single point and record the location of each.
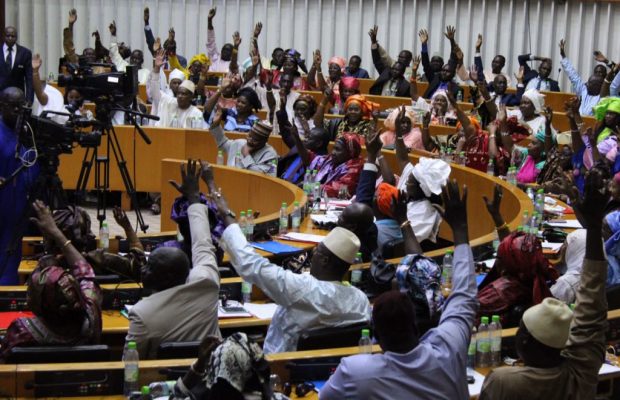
(540, 79)
(391, 81)
(16, 65)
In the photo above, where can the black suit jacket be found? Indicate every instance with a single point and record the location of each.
(402, 87)
(529, 73)
(21, 74)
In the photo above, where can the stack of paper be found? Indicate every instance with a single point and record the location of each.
(261, 311)
(303, 237)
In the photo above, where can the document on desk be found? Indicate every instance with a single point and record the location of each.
(476, 387)
(303, 237)
(261, 311)
(564, 224)
(607, 369)
(233, 309)
(554, 247)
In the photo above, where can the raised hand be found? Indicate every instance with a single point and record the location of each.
(423, 34)
(218, 116)
(454, 210)
(146, 16)
(36, 62)
(600, 57)
(328, 94)
(112, 28)
(451, 98)
(502, 115)
(416, 64)
(257, 29)
(255, 57)
(479, 43)
(212, 13)
(44, 219)
(159, 58)
(283, 96)
(458, 53)
(450, 32)
(189, 186)
(171, 34)
(121, 218)
(426, 120)
(236, 39)
(519, 74)
(473, 73)
(548, 113)
(206, 173)
(562, 48)
(596, 193)
(96, 35)
(493, 206)
(399, 121)
(316, 58)
(157, 44)
(72, 16)
(373, 34)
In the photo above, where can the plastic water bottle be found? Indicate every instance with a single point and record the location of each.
(511, 176)
(449, 157)
(174, 123)
(365, 344)
(491, 168)
(495, 334)
(446, 274)
(483, 345)
(283, 226)
(220, 158)
(145, 393)
(540, 202)
(459, 95)
(356, 274)
(273, 168)
(249, 232)
(534, 222)
(526, 218)
(462, 158)
(131, 360)
(296, 217)
(530, 193)
(246, 292)
(307, 177)
(471, 350)
(243, 223)
(104, 236)
(238, 159)
(50, 77)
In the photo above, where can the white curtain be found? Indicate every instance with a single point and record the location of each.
(337, 27)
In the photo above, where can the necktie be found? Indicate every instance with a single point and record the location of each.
(9, 59)
(539, 83)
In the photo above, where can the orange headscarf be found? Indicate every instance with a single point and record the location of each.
(367, 106)
(474, 121)
(384, 195)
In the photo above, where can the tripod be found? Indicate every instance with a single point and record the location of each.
(102, 164)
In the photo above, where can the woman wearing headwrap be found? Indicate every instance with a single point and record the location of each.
(358, 113)
(290, 65)
(531, 112)
(341, 168)
(335, 67)
(347, 87)
(61, 294)
(518, 278)
(565, 288)
(412, 134)
(224, 97)
(195, 66)
(441, 109)
(241, 117)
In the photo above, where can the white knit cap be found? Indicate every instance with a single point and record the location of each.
(549, 322)
(189, 85)
(343, 243)
(432, 174)
(176, 74)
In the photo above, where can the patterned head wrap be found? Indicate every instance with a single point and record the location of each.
(49, 294)
(537, 99)
(607, 104)
(390, 121)
(349, 82)
(74, 222)
(339, 61)
(178, 213)
(367, 106)
(311, 103)
(201, 58)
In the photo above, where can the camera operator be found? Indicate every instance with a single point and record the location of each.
(13, 192)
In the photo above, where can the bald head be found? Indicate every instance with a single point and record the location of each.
(356, 217)
(167, 267)
(11, 100)
(10, 36)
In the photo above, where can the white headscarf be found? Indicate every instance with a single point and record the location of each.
(537, 99)
(565, 288)
(176, 74)
(432, 174)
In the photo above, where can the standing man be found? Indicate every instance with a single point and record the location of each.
(220, 60)
(16, 64)
(13, 193)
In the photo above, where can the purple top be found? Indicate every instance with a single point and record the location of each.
(441, 355)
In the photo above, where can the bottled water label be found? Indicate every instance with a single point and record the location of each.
(131, 373)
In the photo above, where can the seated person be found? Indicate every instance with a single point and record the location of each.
(538, 80)
(339, 171)
(305, 301)
(290, 65)
(233, 369)
(353, 70)
(441, 109)
(358, 218)
(335, 67)
(497, 64)
(358, 113)
(136, 58)
(61, 294)
(252, 153)
(47, 97)
(348, 87)
(243, 116)
(611, 234)
(285, 99)
(293, 165)
(173, 112)
(411, 366)
(391, 82)
(518, 278)
(567, 285)
(563, 350)
(413, 137)
(224, 97)
(499, 86)
(188, 298)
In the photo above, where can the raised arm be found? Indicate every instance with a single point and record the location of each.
(67, 39)
(36, 80)
(413, 81)
(549, 131)
(399, 211)
(478, 58)
(468, 128)
(493, 207)
(365, 192)
(212, 50)
(315, 75)
(572, 73)
(429, 144)
(234, 66)
(101, 52)
(402, 153)
(154, 82)
(213, 99)
(426, 62)
(377, 61)
(218, 132)
(319, 115)
(148, 33)
(571, 107)
(121, 219)
(116, 57)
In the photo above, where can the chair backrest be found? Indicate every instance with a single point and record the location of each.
(613, 297)
(171, 350)
(341, 336)
(54, 354)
